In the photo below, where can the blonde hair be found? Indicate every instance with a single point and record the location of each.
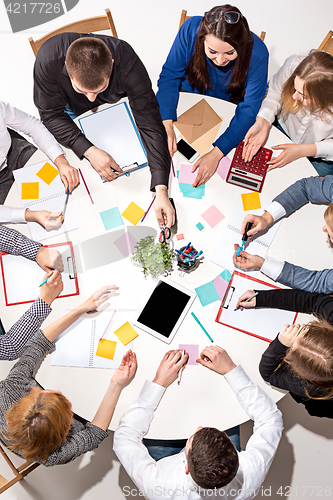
(328, 216)
(312, 358)
(38, 423)
(317, 72)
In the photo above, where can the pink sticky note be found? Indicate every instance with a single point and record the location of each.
(192, 351)
(185, 174)
(213, 216)
(180, 236)
(221, 286)
(126, 244)
(223, 167)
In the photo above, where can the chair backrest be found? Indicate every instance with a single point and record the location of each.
(184, 17)
(89, 25)
(327, 43)
(19, 472)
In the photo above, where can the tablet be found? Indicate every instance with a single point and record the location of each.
(166, 308)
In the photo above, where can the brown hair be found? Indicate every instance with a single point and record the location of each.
(38, 423)
(212, 459)
(239, 36)
(312, 358)
(89, 61)
(328, 216)
(317, 72)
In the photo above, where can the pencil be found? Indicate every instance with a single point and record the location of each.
(196, 319)
(84, 182)
(107, 326)
(144, 215)
(173, 168)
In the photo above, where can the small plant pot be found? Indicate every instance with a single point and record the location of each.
(187, 266)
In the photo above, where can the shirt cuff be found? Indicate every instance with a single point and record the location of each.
(267, 114)
(237, 378)
(54, 151)
(152, 393)
(272, 267)
(12, 215)
(324, 150)
(276, 210)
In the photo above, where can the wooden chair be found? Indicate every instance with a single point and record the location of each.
(19, 472)
(184, 17)
(327, 43)
(89, 25)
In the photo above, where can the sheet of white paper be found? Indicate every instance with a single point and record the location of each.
(51, 197)
(257, 245)
(262, 322)
(113, 131)
(77, 345)
(22, 277)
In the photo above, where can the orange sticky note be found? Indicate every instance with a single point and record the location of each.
(47, 173)
(251, 201)
(106, 348)
(133, 213)
(126, 333)
(30, 190)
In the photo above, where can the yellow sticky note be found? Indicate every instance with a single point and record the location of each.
(133, 213)
(106, 348)
(47, 173)
(30, 190)
(251, 201)
(126, 333)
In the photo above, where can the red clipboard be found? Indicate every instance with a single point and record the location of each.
(237, 322)
(19, 272)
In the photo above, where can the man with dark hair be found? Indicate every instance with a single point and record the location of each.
(74, 73)
(209, 465)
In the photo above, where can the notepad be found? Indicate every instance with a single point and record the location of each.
(259, 244)
(77, 346)
(40, 189)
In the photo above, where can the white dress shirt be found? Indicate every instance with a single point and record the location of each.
(302, 127)
(166, 479)
(22, 122)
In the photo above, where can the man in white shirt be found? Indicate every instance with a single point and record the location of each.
(210, 464)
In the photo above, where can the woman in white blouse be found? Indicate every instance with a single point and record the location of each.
(15, 151)
(300, 98)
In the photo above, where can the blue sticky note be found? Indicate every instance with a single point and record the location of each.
(111, 218)
(200, 226)
(207, 293)
(192, 192)
(226, 275)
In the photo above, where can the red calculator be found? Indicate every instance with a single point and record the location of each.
(250, 175)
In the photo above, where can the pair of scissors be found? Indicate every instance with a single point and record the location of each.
(165, 234)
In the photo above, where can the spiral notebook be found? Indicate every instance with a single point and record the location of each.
(77, 345)
(257, 245)
(40, 188)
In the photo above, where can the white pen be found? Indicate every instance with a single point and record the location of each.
(181, 370)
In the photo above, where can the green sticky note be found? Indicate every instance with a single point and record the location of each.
(207, 293)
(111, 218)
(200, 226)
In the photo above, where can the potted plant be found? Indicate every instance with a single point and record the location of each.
(155, 258)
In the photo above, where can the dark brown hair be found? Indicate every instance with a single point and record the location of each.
(38, 423)
(212, 459)
(239, 36)
(317, 72)
(89, 61)
(312, 358)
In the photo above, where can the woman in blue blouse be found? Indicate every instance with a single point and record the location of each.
(216, 55)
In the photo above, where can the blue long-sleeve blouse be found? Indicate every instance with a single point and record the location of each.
(173, 78)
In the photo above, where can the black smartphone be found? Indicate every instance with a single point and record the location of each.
(186, 150)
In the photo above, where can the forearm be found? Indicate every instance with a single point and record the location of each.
(306, 279)
(271, 359)
(11, 214)
(295, 300)
(52, 331)
(15, 243)
(106, 409)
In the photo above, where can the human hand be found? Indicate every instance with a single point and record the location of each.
(217, 359)
(126, 371)
(52, 288)
(206, 166)
(69, 175)
(103, 163)
(97, 299)
(49, 220)
(172, 140)
(259, 223)
(289, 333)
(169, 367)
(242, 298)
(246, 260)
(49, 259)
(164, 211)
(290, 152)
(255, 138)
